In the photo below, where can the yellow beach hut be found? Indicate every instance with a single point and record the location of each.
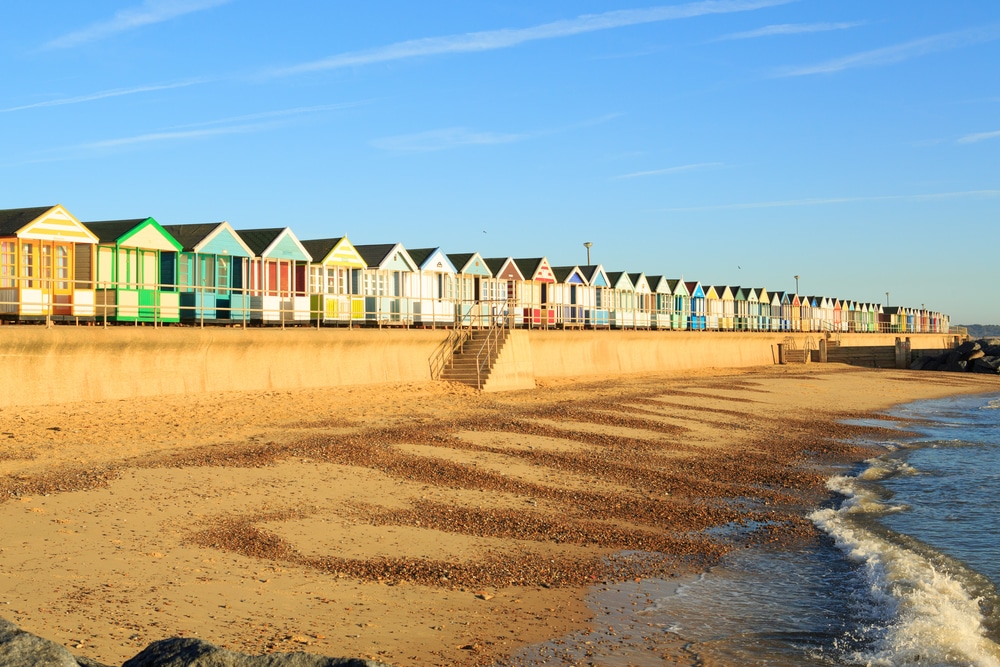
(46, 264)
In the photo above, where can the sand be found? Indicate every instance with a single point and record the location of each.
(417, 524)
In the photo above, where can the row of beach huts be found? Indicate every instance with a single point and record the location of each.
(55, 268)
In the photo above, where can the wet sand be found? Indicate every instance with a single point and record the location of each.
(416, 524)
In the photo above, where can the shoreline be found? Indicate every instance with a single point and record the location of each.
(323, 520)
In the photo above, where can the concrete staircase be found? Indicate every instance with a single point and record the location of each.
(463, 364)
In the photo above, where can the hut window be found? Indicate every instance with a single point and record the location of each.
(62, 267)
(8, 261)
(222, 274)
(184, 272)
(28, 264)
(206, 271)
(45, 268)
(105, 269)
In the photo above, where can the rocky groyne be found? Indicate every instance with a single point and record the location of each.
(973, 356)
(23, 649)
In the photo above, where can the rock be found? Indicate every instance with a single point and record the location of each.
(920, 363)
(185, 652)
(987, 365)
(23, 649)
(968, 347)
(955, 366)
(978, 354)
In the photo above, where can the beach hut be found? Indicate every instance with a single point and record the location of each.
(681, 317)
(479, 294)
(663, 302)
(46, 264)
(334, 281)
(838, 314)
(741, 308)
(211, 272)
(776, 323)
(277, 284)
(506, 270)
(644, 302)
(622, 302)
(384, 283)
(763, 310)
(536, 293)
(596, 296)
(433, 287)
(570, 296)
(136, 271)
(698, 320)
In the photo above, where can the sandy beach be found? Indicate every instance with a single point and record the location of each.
(417, 524)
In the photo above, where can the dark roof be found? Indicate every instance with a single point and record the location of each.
(258, 239)
(12, 219)
(191, 235)
(109, 231)
(561, 273)
(496, 263)
(374, 254)
(320, 248)
(614, 276)
(420, 255)
(533, 262)
(634, 277)
(459, 259)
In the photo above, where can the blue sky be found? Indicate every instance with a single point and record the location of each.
(742, 142)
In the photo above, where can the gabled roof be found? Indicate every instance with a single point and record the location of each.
(192, 236)
(137, 233)
(109, 231)
(13, 219)
(678, 287)
(44, 222)
(320, 248)
(464, 260)
(693, 287)
(594, 273)
(498, 265)
(638, 280)
(617, 277)
(422, 257)
(377, 255)
(564, 273)
(536, 268)
(658, 284)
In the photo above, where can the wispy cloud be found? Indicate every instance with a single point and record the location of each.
(981, 136)
(505, 38)
(670, 170)
(787, 29)
(443, 139)
(898, 53)
(148, 13)
(104, 94)
(245, 124)
(967, 194)
(457, 137)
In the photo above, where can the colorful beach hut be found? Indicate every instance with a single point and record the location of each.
(681, 317)
(136, 271)
(479, 294)
(662, 302)
(46, 264)
(211, 272)
(506, 270)
(384, 283)
(277, 285)
(698, 320)
(334, 277)
(622, 302)
(433, 287)
(536, 293)
(644, 305)
(570, 296)
(597, 296)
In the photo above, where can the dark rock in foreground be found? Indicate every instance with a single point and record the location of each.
(972, 356)
(23, 649)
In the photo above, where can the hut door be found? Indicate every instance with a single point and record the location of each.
(62, 288)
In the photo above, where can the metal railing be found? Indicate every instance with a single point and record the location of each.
(495, 338)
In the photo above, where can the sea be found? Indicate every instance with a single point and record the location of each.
(906, 570)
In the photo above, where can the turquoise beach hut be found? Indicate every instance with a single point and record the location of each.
(211, 272)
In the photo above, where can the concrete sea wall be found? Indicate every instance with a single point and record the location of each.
(65, 364)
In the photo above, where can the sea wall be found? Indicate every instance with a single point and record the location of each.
(65, 364)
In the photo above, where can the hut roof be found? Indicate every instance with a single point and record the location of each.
(12, 219)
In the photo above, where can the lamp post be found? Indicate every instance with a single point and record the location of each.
(886, 299)
(588, 245)
(796, 285)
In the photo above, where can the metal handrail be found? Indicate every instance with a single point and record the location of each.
(498, 326)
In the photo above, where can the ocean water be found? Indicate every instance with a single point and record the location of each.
(905, 572)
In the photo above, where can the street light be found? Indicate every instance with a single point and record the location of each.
(588, 245)
(886, 299)
(796, 285)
